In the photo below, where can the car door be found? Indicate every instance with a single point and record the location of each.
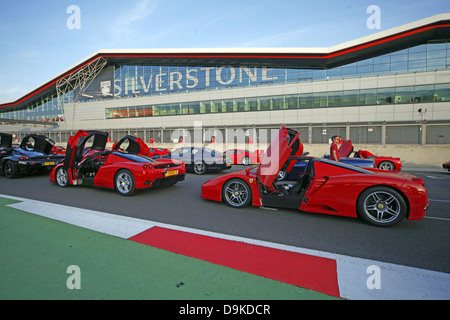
(76, 149)
(286, 143)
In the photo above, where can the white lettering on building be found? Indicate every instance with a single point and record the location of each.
(192, 78)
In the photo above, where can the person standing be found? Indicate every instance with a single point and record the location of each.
(334, 150)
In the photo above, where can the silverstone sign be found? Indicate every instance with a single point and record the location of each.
(193, 78)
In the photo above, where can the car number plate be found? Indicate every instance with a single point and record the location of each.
(49, 163)
(171, 173)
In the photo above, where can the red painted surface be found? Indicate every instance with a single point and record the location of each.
(316, 273)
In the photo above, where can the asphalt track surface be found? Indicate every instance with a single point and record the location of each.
(419, 244)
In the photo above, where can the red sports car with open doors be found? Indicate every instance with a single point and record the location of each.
(88, 163)
(379, 197)
(380, 162)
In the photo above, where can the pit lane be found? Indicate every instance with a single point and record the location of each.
(420, 244)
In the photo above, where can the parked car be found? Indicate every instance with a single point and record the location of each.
(199, 160)
(157, 152)
(380, 162)
(245, 157)
(88, 163)
(446, 165)
(58, 150)
(379, 197)
(32, 156)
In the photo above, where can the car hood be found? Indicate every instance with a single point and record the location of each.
(286, 143)
(39, 143)
(5, 140)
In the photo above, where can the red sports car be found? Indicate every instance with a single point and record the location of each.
(58, 150)
(379, 197)
(88, 163)
(381, 162)
(152, 152)
(245, 157)
(446, 165)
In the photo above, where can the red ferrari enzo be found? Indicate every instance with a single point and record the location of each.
(381, 162)
(245, 157)
(88, 163)
(446, 165)
(379, 197)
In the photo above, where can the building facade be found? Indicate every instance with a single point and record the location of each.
(390, 88)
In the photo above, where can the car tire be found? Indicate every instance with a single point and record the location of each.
(236, 193)
(62, 177)
(386, 165)
(381, 206)
(200, 168)
(9, 170)
(124, 182)
(246, 161)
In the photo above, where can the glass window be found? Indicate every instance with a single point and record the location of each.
(320, 99)
(335, 99)
(399, 58)
(385, 59)
(404, 94)
(305, 75)
(424, 93)
(291, 102)
(442, 92)
(419, 48)
(278, 103)
(399, 66)
(381, 68)
(350, 98)
(252, 104)
(385, 96)
(319, 74)
(438, 63)
(418, 55)
(334, 73)
(417, 65)
(265, 103)
(305, 101)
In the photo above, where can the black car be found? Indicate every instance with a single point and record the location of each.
(32, 156)
(199, 160)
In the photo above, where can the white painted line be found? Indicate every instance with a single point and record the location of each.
(448, 201)
(115, 225)
(396, 281)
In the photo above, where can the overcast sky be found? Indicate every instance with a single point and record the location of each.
(41, 38)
